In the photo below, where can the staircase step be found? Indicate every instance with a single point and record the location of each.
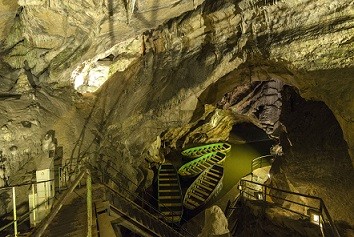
(203, 166)
(216, 160)
(169, 197)
(208, 182)
(205, 187)
(177, 204)
(169, 185)
(197, 197)
(171, 213)
(215, 170)
(165, 169)
(201, 192)
(167, 174)
(168, 179)
(192, 203)
(211, 179)
(174, 192)
(214, 175)
(167, 190)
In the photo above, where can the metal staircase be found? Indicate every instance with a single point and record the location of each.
(73, 220)
(150, 222)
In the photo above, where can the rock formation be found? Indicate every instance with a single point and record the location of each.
(144, 69)
(215, 223)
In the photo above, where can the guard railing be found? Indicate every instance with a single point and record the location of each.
(18, 220)
(153, 211)
(261, 162)
(307, 206)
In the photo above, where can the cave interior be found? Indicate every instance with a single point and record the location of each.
(96, 94)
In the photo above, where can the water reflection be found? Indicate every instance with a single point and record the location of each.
(238, 161)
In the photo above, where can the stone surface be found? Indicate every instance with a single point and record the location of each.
(215, 223)
(166, 62)
(264, 34)
(260, 100)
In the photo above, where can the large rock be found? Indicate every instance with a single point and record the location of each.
(215, 223)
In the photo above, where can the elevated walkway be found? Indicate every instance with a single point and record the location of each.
(73, 214)
(71, 220)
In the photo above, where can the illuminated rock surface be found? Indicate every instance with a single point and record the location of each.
(167, 65)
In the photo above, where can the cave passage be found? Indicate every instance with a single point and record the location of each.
(238, 161)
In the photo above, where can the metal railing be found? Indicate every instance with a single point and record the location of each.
(183, 232)
(154, 212)
(120, 173)
(261, 161)
(19, 220)
(45, 223)
(307, 206)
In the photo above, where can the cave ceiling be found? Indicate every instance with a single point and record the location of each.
(118, 79)
(163, 59)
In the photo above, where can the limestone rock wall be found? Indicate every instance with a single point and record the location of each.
(56, 37)
(310, 41)
(260, 100)
(167, 60)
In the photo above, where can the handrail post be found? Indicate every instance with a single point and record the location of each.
(45, 195)
(89, 204)
(14, 210)
(59, 178)
(34, 206)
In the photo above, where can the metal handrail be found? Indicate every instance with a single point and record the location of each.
(25, 216)
(321, 209)
(149, 195)
(325, 210)
(146, 212)
(44, 224)
(146, 203)
(259, 162)
(24, 184)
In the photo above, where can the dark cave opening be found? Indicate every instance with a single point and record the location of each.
(248, 133)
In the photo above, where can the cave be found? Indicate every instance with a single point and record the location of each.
(96, 96)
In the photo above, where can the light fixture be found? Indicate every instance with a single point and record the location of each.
(239, 187)
(315, 216)
(269, 175)
(258, 195)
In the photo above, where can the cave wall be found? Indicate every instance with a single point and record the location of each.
(168, 60)
(315, 159)
(306, 44)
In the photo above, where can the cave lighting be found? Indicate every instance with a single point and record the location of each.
(89, 77)
(259, 195)
(268, 175)
(97, 76)
(79, 80)
(314, 216)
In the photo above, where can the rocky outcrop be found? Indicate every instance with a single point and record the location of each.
(260, 100)
(215, 223)
(166, 61)
(269, 36)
